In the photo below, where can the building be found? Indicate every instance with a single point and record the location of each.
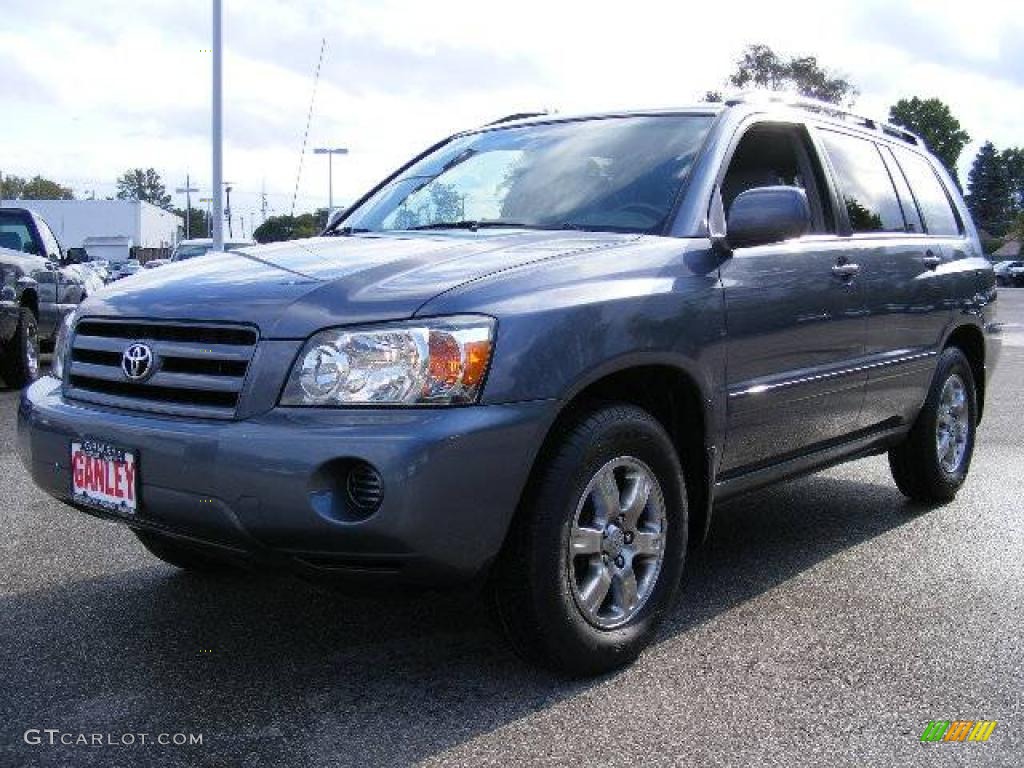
(141, 226)
(1011, 249)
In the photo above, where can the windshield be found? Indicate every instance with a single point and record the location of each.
(189, 252)
(618, 174)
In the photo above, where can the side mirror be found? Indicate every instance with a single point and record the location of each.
(768, 215)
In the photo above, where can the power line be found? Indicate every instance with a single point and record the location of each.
(309, 118)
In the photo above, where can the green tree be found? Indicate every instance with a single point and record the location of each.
(278, 228)
(145, 185)
(989, 190)
(933, 121)
(197, 223)
(761, 67)
(36, 188)
(1013, 160)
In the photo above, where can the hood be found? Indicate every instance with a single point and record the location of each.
(292, 289)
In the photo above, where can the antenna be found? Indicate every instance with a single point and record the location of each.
(309, 118)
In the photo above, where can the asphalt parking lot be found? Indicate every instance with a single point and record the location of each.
(825, 623)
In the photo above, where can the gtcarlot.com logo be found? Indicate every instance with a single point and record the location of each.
(56, 737)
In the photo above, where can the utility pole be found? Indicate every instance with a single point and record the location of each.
(217, 216)
(330, 152)
(187, 191)
(263, 201)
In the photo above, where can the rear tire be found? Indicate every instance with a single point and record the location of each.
(180, 555)
(20, 364)
(931, 464)
(592, 562)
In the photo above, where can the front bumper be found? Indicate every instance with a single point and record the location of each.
(261, 487)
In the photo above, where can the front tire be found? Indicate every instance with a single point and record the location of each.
(20, 364)
(931, 464)
(596, 553)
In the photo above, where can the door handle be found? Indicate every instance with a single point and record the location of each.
(845, 270)
(931, 259)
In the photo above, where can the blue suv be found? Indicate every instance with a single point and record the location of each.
(535, 357)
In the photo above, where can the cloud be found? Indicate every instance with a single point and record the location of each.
(101, 86)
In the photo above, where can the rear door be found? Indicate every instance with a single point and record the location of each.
(906, 306)
(907, 329)
(794, 313)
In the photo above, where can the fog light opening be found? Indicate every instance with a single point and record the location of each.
(365, 487)
(346, 490)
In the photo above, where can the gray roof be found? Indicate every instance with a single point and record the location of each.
(1009, 250)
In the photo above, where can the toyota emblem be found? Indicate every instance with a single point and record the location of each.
(137, 361)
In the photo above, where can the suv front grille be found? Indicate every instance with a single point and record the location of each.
(198, 369)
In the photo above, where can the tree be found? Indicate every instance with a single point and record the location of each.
(197, 226)
(989, 190)
(761, 67)
(36, 188)
(933, 121)
(1013, 161)
(144, 185)
(278, 228)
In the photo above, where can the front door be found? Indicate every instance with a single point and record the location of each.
(794, 314)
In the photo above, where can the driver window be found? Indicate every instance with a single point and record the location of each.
(772, 155)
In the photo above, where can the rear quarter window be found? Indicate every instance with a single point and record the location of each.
(931, 195)
(864, 184)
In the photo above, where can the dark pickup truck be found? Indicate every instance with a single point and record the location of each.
(35, 293)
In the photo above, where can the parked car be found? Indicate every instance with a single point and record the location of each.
(199, 246)
(154, 263)
(538, 356)
(92, 281)
(35, 292)
(100, 268)
(1009, 273)
(125, 268)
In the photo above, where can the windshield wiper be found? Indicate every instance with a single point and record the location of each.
(472, 225)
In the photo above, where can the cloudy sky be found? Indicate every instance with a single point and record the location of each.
(92, 87)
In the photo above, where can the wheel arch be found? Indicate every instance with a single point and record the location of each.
(970, 340)
(674, 396)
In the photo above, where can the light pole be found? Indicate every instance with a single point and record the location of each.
(187, 191)
(217, 135)
(209, 215)
(330, 152)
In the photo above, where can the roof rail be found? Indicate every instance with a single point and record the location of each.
(516, 116)
(826, 108)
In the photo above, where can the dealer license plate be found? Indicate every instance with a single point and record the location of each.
(104, 476)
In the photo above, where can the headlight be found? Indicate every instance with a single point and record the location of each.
(61, 346)
(437, 361)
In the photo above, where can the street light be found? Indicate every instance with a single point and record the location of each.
(217, 221)
(330, 152)
(209, 215)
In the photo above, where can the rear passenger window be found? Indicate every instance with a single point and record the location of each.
(910, 213)
(939, 217)
(864, 184)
